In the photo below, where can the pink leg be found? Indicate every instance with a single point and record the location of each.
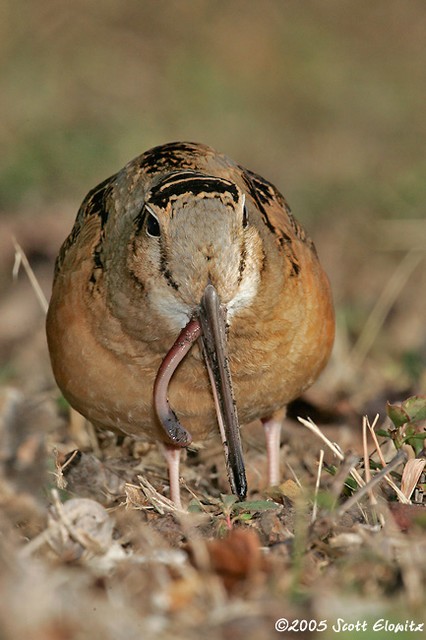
(172, 455)
(272, 425)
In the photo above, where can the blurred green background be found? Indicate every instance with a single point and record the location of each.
(325, 98)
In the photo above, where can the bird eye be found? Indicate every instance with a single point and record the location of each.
(245, 217)
(152, 225)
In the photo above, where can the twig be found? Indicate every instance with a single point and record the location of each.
(400, 457)
(372, 497)
(340, 479)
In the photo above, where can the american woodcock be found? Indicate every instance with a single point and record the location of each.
(185, 293)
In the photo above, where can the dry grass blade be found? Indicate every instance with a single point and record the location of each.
(331, 445)
(317, 485)
(356, 476)
(365, 451)
(294, 474)
(195, 497)
(21, 258)
(371, 428)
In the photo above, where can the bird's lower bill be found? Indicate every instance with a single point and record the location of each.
(209, 327)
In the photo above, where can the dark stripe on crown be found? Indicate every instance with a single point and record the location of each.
(172, 156)
(181, 182)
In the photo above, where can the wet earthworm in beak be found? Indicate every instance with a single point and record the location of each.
(175, 431)
(210, 328)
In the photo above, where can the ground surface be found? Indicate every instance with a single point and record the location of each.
(331, 108)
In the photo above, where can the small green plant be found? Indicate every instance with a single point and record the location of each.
(235, 511)
(409, 422)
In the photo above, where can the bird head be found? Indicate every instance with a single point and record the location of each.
(194, 230)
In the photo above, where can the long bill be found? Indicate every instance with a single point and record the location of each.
(214, 345)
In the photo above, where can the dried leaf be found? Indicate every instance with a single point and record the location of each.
(410, 476)
(290, 489)
(236, 558)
